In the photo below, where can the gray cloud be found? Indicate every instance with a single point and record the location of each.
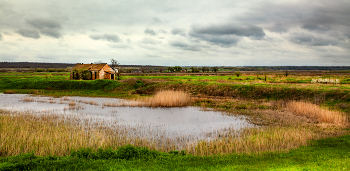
(220, 40)
(51, 32)
(279, 28)
(46, 26)
(311, 40)
(107, 37)
(147, 40)
(246, 31)
(185, 45)
(1, 38)
(315, 27)
(178, 31)
(120, 46)
(157, 20)
(42, 23)
(162, 31)
(7, 33)
(150, 32)
(29, 33)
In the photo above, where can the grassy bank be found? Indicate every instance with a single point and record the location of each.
(288, 137)
(327, 154)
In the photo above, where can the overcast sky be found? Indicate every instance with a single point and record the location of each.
(181, 32)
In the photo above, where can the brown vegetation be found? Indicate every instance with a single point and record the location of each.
(166, 98)
(314, 111)
(9, 92)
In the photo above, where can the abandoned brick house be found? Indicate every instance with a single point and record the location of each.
(92, 72)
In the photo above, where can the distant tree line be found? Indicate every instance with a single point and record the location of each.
(151, 68)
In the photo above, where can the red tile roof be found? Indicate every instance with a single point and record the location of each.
(94, 67)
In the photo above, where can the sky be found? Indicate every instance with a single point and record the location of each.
(181, 32)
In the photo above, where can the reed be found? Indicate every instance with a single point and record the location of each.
(50, 134)
(28, 99)
(9, 92)
(314, 111)
(167, 98)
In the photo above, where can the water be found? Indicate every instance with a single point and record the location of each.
(190, 123)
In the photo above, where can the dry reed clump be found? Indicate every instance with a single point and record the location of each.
(314, 111)
(28, 99)
(9, 92)
(257, 140)
(166, 98)
(46, 135)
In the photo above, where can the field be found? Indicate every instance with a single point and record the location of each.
(302, 118)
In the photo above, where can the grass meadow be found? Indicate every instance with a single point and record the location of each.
(301, 124)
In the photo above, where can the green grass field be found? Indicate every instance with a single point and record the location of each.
(248, 95)
(326, 154)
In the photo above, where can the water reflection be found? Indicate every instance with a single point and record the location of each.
(190, 123)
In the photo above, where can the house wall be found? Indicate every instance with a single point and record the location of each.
(106, 75)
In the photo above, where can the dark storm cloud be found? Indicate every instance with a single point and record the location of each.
(150, 32)
(47, 27)
(29, 33)
(311, 40)
(107, 37)
(246, 31)
(178, 31)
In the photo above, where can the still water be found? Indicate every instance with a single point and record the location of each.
(151, 123)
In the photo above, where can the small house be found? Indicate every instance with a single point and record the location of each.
(91, 71)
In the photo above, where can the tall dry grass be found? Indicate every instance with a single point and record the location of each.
(314, 111)
(257, 140)
(167, 98)
(54, 135)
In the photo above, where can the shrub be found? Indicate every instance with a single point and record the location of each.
(237, 73)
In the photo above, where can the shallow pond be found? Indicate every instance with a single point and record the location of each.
(187, 123)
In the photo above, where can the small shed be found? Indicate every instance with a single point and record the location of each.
(92, 72)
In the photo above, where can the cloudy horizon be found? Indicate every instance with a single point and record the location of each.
(169, 33)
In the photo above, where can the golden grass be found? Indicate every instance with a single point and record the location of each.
(9, 92)
(166, 98)
(50, 135)
(314, 111)
(28, 99)
(257, 140)
(55, 135)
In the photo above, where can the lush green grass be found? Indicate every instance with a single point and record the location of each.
(327, 154)
(196, 85)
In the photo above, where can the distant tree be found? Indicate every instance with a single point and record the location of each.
(215, 69)
(98, 62)
(116, 68)
(193, 69)
(286, 73)
(170, 69)
(177, 68)
(205, 69)
(143, 69)
(237, 73)
(161, 69)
